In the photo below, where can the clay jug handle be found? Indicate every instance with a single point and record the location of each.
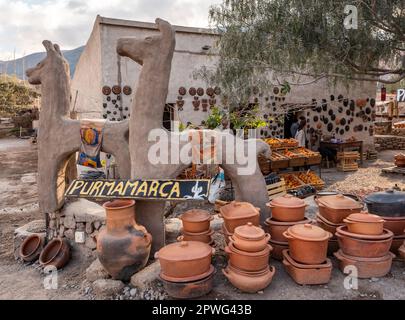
(287, 235)
(156, 255)
(267, 236)
(231, 239)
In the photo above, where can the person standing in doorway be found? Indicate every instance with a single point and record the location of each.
(294, 126)
(300, 135)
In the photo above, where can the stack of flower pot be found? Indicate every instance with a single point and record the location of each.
(186, 269)
(286, 211)
(333, 209)
(365, 244)
(306, 259)
(196, 226)
(249, 253)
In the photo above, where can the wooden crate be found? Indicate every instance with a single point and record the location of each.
(264, 164)
(314, 160)
(278, 161)
(348, 161)
(277, 189)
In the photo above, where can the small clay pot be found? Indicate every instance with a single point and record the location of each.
(31, 247)
(237, 214)
(335, 208)
(287, 208)
(55, 253)
(205, 237)
(250, 282)
(365, 223)
(248, 261)
(278, 247)
(364, 248)
(249, 238)
(196, 221)
(277, 228)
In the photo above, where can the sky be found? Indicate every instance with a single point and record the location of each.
(25, 23)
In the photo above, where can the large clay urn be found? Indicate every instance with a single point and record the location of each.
(123, 247)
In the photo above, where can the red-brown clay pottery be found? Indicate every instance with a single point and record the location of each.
(123, 247)
(395, 224)
(205, 237)
(304, 274)
(308, 243)
(335, 208)
(396, 243)
(250, 282)
(326, 224)
(366, 267)
(365, 223)
(248, 261)
(237, 214)
(401, 251)
(55, 253)
(31, 247)
(364, 248)
(196, 221)
(250, 238)
(186, 260)
(287, 208)
(278, 247)
(344, 231)
(277, 228)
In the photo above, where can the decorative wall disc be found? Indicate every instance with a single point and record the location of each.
(182, 91)
(127, 90)
(192, 91)
(116, 89)
(106, 90)
(200, 91)
(217, 91)
(276, 90)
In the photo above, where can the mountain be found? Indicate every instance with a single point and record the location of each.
(72, 56)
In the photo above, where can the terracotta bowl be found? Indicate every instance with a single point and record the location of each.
(396, 225)
(344, 231)
(205, 237)
(364, 248)
(56, 253)
(248, 261)
(277, 228)
(31, 247)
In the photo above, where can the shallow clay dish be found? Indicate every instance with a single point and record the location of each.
(248, 261)
(205, 237)
(31, 247)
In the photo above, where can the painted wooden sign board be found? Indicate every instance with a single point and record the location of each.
(140, 189)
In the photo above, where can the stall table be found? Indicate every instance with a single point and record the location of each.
(341, 146)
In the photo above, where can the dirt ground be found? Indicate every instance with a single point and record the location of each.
(18, 205)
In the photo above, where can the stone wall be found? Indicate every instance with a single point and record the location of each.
(390, 142)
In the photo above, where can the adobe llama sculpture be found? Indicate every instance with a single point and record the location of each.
(59, 136)
(155, 55)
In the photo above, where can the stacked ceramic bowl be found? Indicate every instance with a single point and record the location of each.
(237, 214)
(306, 259)
(196, 226)
(249, 253)
(186, 269)
(286, 211)
(365, 244)
(333, 209)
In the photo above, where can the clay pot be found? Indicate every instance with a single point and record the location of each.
(250, 282)
(307, 274)
(396, 225)
(308, 244)
(366, 267)
(401, 251)
(278, 247)
(205, 237)
(55, 253)
(389, 203)
(249, 238)
(123, 247)
(185, 261)
(365, 223)
(364, 248)
(237, 214)
(277, 228)
(385, 235)
(335, 208)
(196, 221)
(396, 244)
(287, 208)
(327, 225)
(31, 247)
(248, 261)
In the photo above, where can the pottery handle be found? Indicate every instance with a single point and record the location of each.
(211, 218)
(347, 221)
(156, 255)
(213, 251)
(231, 239)
(226, 273)
(227, 250)
(269, 205)
(180, 238)
(287, 235)
(220, 215)
(268, 236)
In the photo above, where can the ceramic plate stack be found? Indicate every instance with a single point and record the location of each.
(365, 244)
(286, 211)
(306, 260)
(196, 226)
(249, 253)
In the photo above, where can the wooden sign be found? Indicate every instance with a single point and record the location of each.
(140, 189)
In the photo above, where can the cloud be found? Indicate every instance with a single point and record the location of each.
(25, 23)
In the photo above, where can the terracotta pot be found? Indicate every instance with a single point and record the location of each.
(365, 223)
(248, 261)
(250, 282)
(335, 208)
(327, 225)
(396, 225)
(307, 274)
(287, 208)
(226, 233)
(123, 247)
(31, 247)
(333, 246)
(344, 231)
(401, 251)
(277, 228)
(196, 221)
(55, 253)
(250, 238)
(308, 244)
(187, 260)
(396, 244)
(364, 248)
(205, 237)
(237, 214)
(366, 267)
(278, 247)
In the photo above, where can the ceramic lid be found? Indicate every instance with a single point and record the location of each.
(308, 232)
(339, 201)
(250, 232)
(185, 251)
(364, 216)
(386, 197)
(196, 215)
(288, 201)
(237, 210)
